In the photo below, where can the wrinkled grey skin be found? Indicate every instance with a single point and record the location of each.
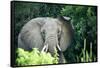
(46, 33)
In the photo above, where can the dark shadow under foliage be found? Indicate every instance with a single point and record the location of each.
(84, 20)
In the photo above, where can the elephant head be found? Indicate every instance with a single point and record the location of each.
(57, 33)
(46, 33)
(51, 33)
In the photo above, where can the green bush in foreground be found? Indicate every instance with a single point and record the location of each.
(35, 57)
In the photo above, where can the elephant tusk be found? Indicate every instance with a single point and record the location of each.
(58, 47)
(45, 47)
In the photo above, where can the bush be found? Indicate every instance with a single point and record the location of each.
(35, 57)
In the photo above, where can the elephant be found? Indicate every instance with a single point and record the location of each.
(47, 33)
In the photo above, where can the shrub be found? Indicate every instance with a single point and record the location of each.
(35, 57)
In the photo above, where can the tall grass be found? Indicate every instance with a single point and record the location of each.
(85, 56)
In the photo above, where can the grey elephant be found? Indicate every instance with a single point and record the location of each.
(46, 33)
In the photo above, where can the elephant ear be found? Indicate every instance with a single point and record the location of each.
(67, 32)
(30, 35)
(64, 18)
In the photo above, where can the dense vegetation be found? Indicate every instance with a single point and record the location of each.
(84, 21)
(85, 27)
(35, 57)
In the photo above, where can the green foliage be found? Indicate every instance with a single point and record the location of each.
(35, 57)
(85, 27)
(85, 56)
(56, 57)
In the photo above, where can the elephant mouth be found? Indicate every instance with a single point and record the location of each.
(45, 48)
(51, 43)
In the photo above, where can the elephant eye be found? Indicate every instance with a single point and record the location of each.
(59, 34)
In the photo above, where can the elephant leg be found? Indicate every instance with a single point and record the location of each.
(61, 58)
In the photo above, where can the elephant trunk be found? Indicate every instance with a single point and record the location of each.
(52, 42)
